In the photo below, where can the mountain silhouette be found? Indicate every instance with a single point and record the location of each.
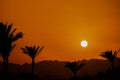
(56, 69)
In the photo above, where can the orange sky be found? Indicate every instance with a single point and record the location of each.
(60, 25)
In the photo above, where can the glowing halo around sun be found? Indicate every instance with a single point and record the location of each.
(84, 43)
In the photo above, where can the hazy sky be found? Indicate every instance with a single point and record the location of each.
(60, 25)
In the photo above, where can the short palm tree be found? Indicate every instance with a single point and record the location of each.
(7, 42)
(74, 67)
(32, 51)
(109, 55)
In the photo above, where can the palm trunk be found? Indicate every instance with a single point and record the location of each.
(74, 76)
(7, 63)
(112, 66)
(4, 64)
(112, 70)
(33, 65)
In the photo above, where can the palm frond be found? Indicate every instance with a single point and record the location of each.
(12, 32)
(37, 48)
(40, 49)
(80, 65)
(17, 36)
(13, 46)
(2, 30)
(106, 54)
(24, 50)
(32, 51)
(116, 52)
(7, 39)
(8, 28)
(109, 55)
(74, 66)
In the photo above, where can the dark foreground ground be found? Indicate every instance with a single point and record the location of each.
(94, 69)
(28, 76)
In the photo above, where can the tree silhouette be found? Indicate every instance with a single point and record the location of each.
(74, 67)
(32, 51)
(7, 42)
(109, 55)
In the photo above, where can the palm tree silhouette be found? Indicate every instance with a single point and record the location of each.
(7, 42)
(32, 51)
(74, 67)
(109, 55)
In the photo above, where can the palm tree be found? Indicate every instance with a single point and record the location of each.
(74, 67)
(110, 56)
(7, 42)
(32, 51)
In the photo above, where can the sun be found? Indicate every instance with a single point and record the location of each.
(84, 43)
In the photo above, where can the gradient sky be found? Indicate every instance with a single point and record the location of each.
(60, 25)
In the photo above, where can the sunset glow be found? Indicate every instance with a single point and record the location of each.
(60, 25)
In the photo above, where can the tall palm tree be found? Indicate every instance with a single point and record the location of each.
(74, 67)
(32, 51)
(7, 42)
(110, 56)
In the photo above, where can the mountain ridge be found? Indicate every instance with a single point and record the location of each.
(56, 69)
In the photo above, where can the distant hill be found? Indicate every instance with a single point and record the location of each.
(56, 69)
